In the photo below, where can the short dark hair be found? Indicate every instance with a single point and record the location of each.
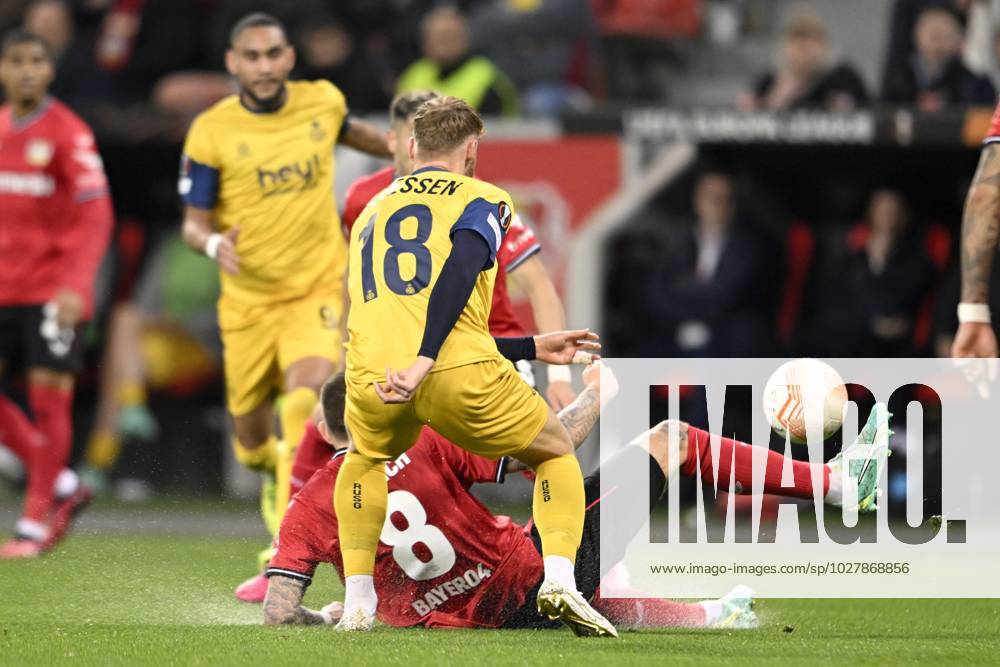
(20, 36)
(256, 20)
(404, 105)
(332, 397)
(940, 7)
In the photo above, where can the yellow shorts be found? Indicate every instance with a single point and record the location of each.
(260, 342)
(172, 356)
(485, 408)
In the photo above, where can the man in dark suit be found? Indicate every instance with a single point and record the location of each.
(714, 292)
(934, 77)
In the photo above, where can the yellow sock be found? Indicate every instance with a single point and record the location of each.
(103, 450)
(264, 557)
(558, 506)
(261, 458)
(268, 511)
(296, 407)
(131, 394)
(359, 499)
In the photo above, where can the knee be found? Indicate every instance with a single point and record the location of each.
(251, 436)
(299, 402)
(311, 375)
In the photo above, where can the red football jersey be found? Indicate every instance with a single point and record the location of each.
(360, 192)
(519, 244)
(55, 212)
(443, 559)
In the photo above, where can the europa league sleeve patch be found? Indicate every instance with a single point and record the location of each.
(504, 214)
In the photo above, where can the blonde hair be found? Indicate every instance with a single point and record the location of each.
(441, 125)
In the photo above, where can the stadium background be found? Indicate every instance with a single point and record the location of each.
(622, 105)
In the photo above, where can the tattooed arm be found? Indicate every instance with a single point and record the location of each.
(980, 234)
(283, 605)
(580, 416)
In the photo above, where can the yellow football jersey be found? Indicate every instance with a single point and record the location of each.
(398, 246)
(271, 175)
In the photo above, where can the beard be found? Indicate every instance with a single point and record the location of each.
(267, 104)
(470, 166)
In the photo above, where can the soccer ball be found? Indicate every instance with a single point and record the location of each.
(805, 393)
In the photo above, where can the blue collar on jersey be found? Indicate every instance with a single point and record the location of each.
(431, 168)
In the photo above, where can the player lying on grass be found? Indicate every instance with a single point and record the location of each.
(445, 561)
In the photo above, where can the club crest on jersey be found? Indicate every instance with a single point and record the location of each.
(503, 212)
(38, 152)
(317, 133)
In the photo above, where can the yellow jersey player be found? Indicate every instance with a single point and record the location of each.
(257, 181)
(422, 269)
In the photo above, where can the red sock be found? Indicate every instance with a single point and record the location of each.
(646, 612)
(52, 408)
(700, 451)
(312, 454)
(17, 432)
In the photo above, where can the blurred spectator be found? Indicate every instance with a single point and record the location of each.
(76, 72)
(52, 20)
(449, 67)
(166, 337)
(542, 44)
(869, 301)
(329, 51)
(806, 79)
(902, 22)
(712, 295)
(934, 77)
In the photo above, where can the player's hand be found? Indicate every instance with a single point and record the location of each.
(975, 351)
(226, 255)
(560, 394)
(69, 308)
(400, 385)
(567, 347)
(974, 339)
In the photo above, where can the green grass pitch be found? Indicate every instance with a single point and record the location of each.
(168, 600)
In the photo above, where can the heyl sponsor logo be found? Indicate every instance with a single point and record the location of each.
(460, 585)
(294, 177)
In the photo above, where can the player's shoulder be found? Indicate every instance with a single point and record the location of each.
(67, 119)
(480, 189)
(60, 111)
(218, 115)
(318, 91)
